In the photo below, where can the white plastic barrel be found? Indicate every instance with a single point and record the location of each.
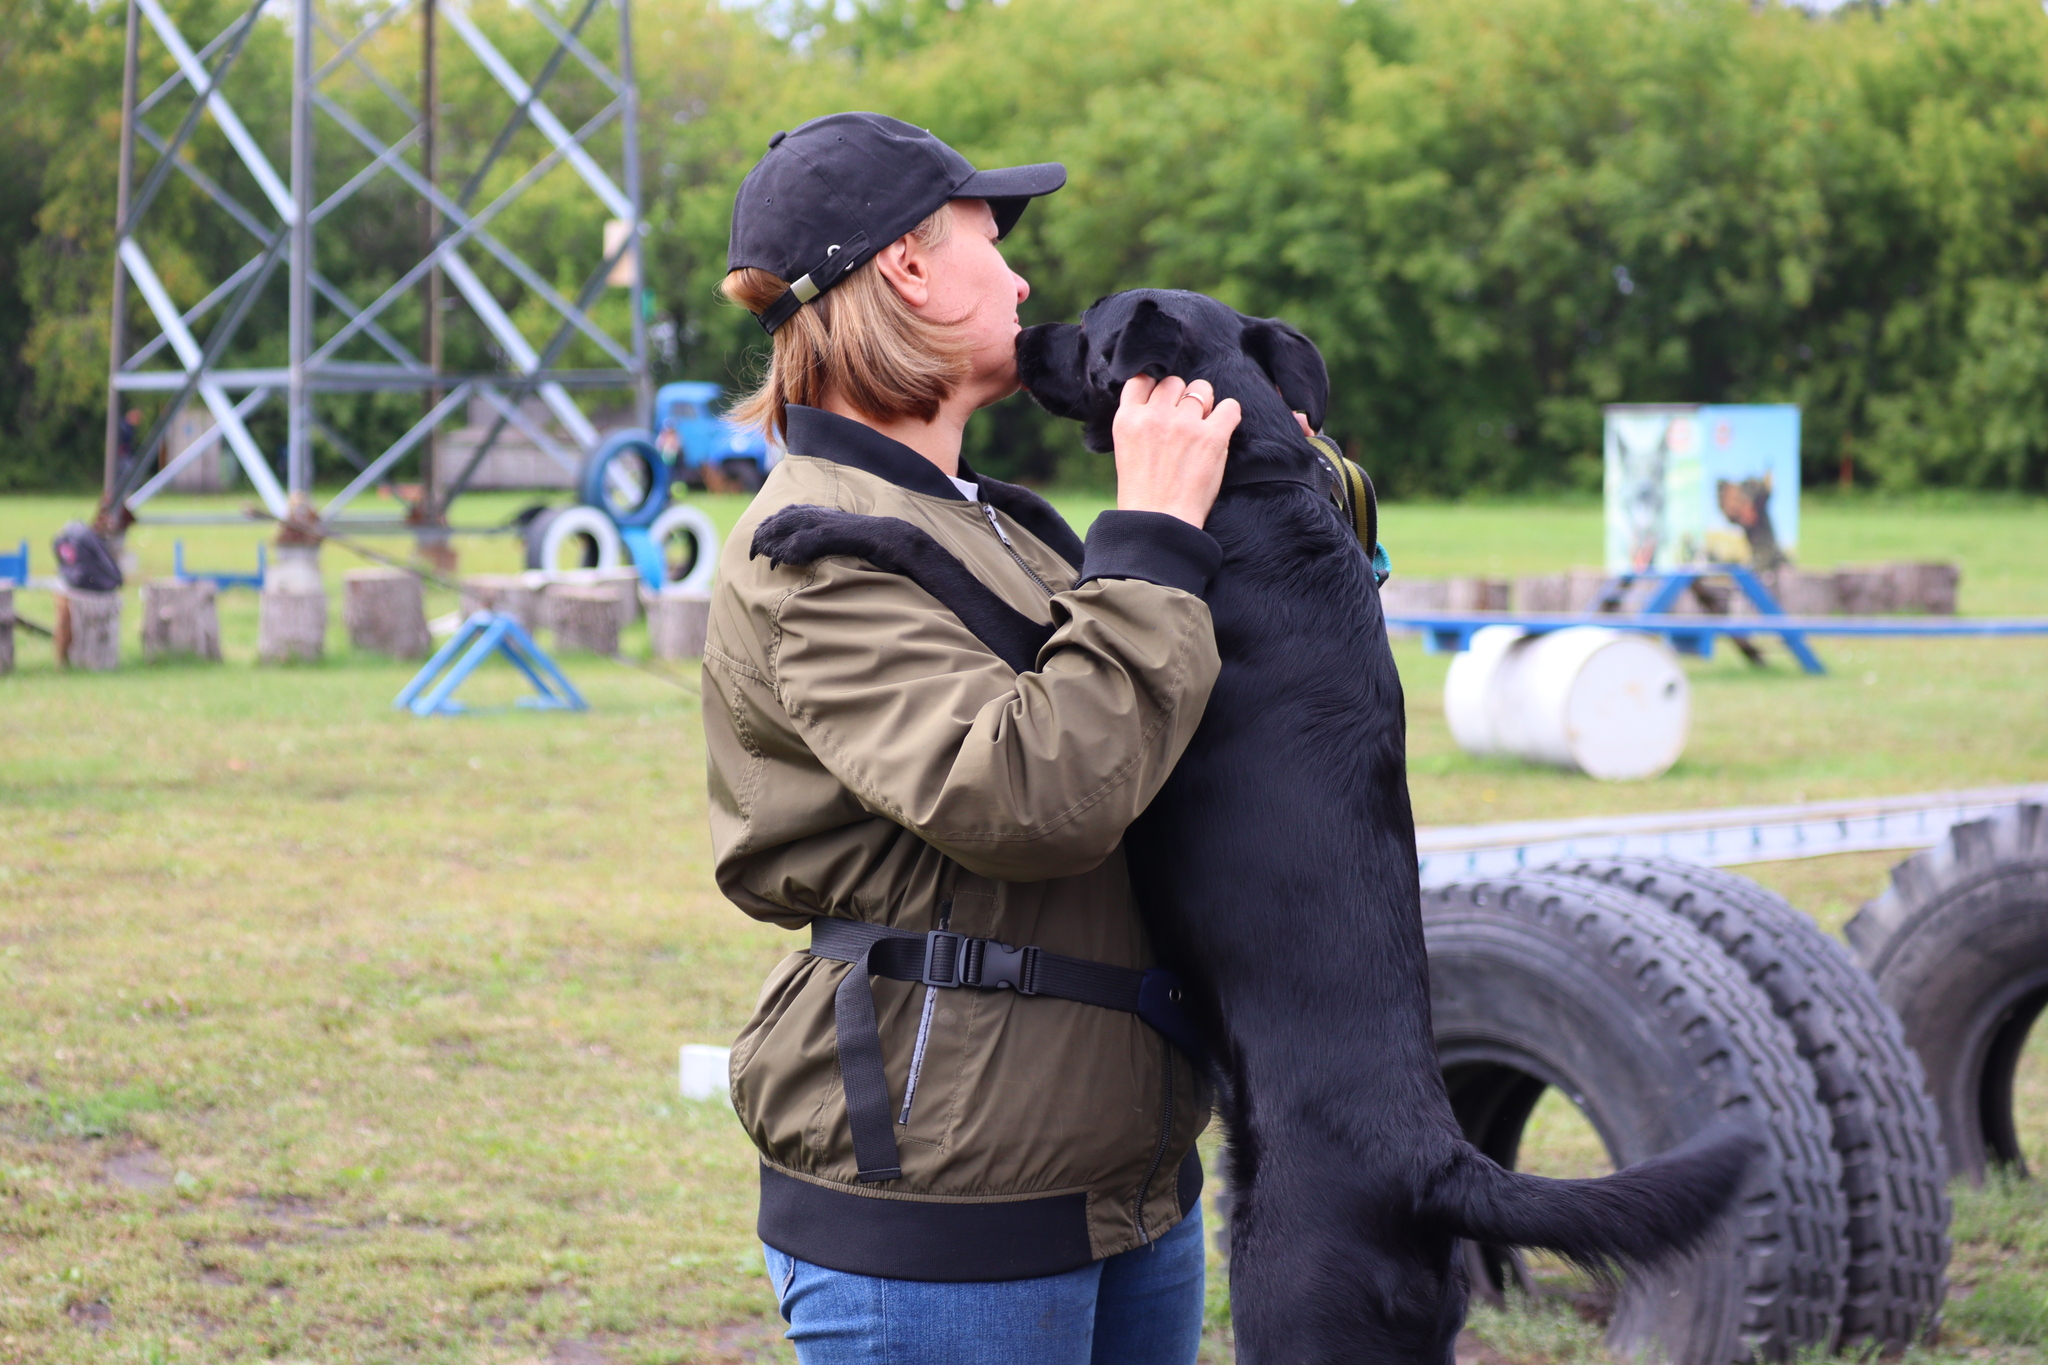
(1613, 704)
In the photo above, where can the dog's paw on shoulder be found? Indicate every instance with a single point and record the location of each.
(800, 534)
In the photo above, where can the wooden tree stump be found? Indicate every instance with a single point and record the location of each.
(1927, 587)
(88, 629)
(584, 616)
(386, 612)
(6, 629)
(291, 625)
(1476, 594)
(625, 583)
(179, 617)
(676, 624)
(1543, 592)
(506, 592)
(1803, 593)
(1582, 588)
(1864, 592)
(622, 583)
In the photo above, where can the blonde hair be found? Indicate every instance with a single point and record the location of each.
(858, 339)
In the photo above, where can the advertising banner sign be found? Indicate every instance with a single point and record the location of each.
(1694, 483)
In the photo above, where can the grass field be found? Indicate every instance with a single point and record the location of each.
(327, 1034)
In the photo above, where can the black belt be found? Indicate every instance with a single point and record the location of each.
(948, 960)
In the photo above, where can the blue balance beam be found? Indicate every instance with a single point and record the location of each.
(1452, 631)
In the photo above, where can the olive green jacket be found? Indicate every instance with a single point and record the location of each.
(871, 759)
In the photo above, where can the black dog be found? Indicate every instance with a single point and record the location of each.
(1277, 872)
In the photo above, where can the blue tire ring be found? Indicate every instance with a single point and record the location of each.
(597, 470)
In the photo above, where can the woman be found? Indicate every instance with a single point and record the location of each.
(952, 1172)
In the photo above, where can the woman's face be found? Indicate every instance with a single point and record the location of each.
(973, 288)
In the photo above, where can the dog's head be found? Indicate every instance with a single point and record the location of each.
(1272, 370)
(1745, 503)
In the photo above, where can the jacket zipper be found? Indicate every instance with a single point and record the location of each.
(924, 1027)
(1158, 1155)
(997, 527)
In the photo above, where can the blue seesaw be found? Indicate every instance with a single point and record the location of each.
(485, 633)
(15, 566)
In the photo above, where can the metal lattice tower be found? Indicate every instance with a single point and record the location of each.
(326, 326)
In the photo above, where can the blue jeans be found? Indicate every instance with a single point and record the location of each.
(1143, 1307)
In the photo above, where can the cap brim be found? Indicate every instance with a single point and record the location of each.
(1008, 190)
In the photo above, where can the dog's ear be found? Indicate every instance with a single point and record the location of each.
(1150, 343)
(1294, 365)
(1052, 365)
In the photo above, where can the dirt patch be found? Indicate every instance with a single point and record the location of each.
(1472, 1351)
(93, 1316)
(141, 1169)
(744, 1343)
(578, 1353)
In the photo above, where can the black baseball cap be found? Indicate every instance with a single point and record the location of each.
(832, 193)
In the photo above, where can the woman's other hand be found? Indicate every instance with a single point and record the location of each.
(1171, 438)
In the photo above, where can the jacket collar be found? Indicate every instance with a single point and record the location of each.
(828, 436)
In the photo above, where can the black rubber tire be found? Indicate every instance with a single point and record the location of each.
(1646, 1025)
(1959, 947)
(1886, 1130)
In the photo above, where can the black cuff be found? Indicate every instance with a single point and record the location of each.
(1153, 546)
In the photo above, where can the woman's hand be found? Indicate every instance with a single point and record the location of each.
(1170, 440)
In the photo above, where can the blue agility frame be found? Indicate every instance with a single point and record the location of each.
(485, 633)
(15, 566)
(220, 579)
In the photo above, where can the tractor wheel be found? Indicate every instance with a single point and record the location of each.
(1959, 946)
(1886, 1130)
(1648, 1027)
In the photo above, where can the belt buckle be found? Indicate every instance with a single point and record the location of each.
(1001, 965)
(942, 955)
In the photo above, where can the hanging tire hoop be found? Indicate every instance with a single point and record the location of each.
(1654, 1033)
(1959, 947)
(627, 478)
(1884, 1123)
(566, 538)
(689, 543)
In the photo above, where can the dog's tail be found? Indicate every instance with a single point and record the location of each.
(1634, 1218)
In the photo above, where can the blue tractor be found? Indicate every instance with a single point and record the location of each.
(702, 449)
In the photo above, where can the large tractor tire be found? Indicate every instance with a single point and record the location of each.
(1886, 1131)
(1959, 947)
(1545, 980)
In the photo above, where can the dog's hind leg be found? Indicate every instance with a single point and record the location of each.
(1324, 1272)
(803, 533)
